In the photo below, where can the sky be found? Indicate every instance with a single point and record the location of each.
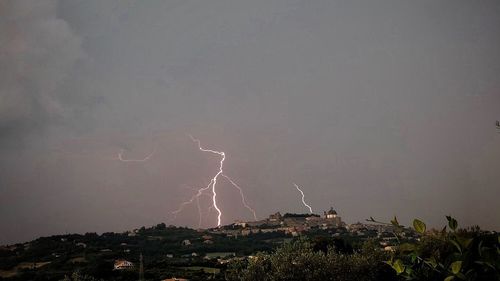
(377, 108)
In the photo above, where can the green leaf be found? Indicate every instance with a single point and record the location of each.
(449, 278)
(413, 257)
(466, 242)
(456, 245)
(419, 226)
(480, 248)
(452, 223)
(456, 266)
(398, 266)
(395, 221)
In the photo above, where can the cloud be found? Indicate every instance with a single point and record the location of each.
(37, 54)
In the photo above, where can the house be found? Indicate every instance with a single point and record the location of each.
(123, 264)
(186, 242)
(390, 249)
(240, 223)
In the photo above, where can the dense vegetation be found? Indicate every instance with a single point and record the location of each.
(457, 254)
(307, 260)
(454, 254)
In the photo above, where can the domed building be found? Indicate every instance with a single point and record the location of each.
(333, 218)
(331, 214)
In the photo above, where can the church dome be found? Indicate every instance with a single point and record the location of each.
(332, 212)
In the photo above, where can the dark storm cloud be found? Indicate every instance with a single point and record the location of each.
(38, 56)
(376, 108)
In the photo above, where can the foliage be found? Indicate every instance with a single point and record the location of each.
(299, 261)
(455, 254)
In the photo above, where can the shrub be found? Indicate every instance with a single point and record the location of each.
(299, 261)
(448, 254)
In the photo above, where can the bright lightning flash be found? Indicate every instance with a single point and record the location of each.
(212, 187)
(303, 201)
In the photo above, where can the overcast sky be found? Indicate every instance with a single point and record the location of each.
(377, 108)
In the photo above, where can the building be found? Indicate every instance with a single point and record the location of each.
(332, 217)
(123, 264)
(331, 214)
(240, 223)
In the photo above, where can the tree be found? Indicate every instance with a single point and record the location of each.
(299, 261)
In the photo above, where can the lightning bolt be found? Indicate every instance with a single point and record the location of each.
(213, 181)
(122, 159)
(196, 196)
(303, 201)
(212, 187)
(242, 196)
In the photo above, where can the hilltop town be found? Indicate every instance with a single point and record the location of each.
(330, 223)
